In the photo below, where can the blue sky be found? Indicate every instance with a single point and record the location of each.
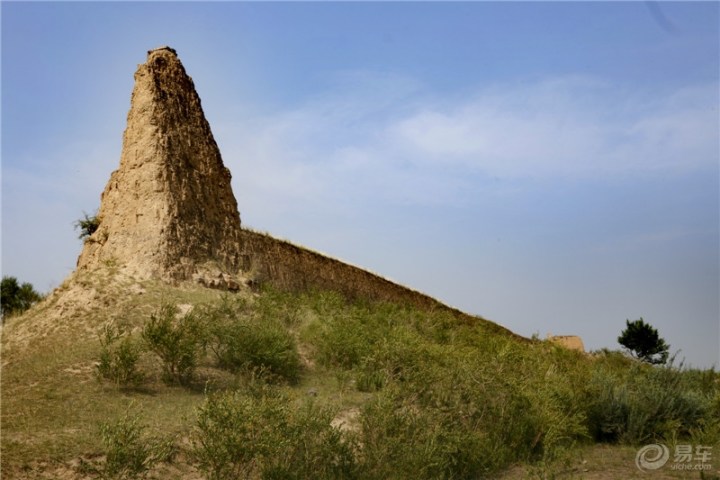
(553, 167)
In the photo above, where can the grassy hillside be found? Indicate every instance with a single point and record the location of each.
(115, 378)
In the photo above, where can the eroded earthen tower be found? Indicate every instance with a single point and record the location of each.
(168, 211)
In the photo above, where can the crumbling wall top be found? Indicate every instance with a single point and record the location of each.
(165, 48)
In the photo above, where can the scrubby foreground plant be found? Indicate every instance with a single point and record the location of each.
(177, 340)
(245, 338)
(261, 434)
(129, 451)
(119, 357)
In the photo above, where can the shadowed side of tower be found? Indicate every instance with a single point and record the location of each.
(168, 212)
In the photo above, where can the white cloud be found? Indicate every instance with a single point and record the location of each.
(384, 136)
(566, 129)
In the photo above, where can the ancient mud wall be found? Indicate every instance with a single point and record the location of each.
(290, 267)
(572, 342)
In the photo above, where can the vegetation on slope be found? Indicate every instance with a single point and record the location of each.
(293, 385)
(15, 297)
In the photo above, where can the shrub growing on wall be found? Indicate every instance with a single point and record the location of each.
(87, 225)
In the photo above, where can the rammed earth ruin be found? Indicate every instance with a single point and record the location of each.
(168, 211)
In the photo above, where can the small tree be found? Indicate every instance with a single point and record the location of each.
(16, 298)
(643, 342)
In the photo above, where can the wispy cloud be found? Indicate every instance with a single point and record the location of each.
(385, 136)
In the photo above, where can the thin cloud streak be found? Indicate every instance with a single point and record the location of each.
(354, 143)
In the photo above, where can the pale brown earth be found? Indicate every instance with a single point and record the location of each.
(168, 211)
(571, 342)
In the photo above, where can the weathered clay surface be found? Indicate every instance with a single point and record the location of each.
(168, 212)
(572, 342)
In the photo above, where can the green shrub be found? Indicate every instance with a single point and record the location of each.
(262, 436)
(129, 452)
(243, 340)
(401, 355)
(248, 345)
(87, 225)
(646, 403)
(178, 342)
(119, 357)
(341, 342)
(282, 307)
(228, 436)
(369, 379)
(557, 406)
(311, 447)
(346, 338)
(402, 440)
(324, 302)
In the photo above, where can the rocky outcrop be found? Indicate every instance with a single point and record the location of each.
(168, 212)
